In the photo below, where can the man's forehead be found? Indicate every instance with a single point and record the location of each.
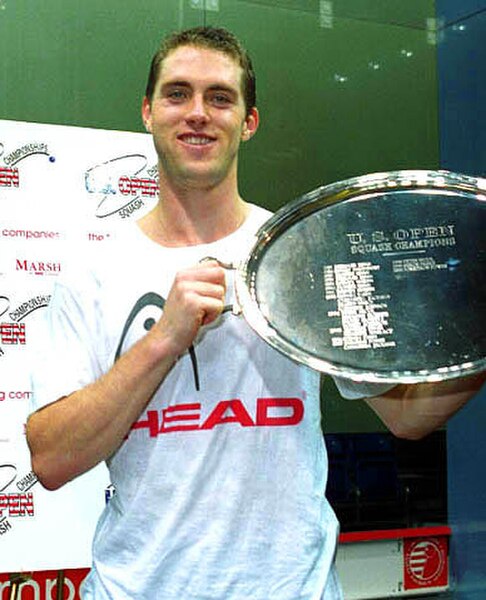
(189, 60)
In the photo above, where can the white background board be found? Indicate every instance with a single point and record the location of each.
(60, 187)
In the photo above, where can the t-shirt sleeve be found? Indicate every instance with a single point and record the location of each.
(353, 390)
(66, 355)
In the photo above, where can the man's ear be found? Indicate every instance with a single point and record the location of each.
(250, 125)
(147, 114)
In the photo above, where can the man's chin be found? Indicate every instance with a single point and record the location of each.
(202, 176)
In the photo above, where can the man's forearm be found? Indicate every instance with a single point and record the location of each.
(73, 434)
(413, 411)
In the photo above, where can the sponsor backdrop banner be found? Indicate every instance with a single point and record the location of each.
(61, 189)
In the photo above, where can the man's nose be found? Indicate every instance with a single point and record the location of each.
(197, 113)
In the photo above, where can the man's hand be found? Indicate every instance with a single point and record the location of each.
(195, 299)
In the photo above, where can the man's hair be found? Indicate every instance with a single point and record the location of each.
(213, 38)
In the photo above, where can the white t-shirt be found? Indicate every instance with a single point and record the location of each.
(220, 483)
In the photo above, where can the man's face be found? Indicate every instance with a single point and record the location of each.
(197, 117)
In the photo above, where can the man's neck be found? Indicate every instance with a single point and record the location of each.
(191, 216)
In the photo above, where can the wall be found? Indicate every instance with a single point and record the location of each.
(462, 110)
(462, 85)
(345, 90)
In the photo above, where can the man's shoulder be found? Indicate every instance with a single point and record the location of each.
(260, 210)
(258, 215)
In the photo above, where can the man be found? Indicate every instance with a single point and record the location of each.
(212, 438)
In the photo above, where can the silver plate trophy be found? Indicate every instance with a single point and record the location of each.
(378, 278)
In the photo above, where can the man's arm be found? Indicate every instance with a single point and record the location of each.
(414, 411)
(73, 434)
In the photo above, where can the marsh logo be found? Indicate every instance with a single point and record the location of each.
(425, 563)
(123, 185)
(38, 267)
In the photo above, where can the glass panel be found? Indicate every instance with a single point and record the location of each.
(82, 62)
(341, 92)
(462, 110)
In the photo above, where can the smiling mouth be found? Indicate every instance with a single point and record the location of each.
(196, 140)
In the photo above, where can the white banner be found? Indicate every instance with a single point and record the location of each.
(59, 187)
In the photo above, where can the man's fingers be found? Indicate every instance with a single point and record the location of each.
(212, 309)
(196, 298)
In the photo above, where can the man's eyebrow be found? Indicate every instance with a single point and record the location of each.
(222, 87)
(216, 86)
(175, 83)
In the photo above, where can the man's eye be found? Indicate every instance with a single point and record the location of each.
(221, 99)
(177, 95)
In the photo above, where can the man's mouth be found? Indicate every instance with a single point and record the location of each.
(196, 140)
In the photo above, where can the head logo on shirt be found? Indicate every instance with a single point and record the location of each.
(152, 299)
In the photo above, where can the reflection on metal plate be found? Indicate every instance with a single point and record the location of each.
(376, 278)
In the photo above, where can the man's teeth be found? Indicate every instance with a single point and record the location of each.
(198, 141)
